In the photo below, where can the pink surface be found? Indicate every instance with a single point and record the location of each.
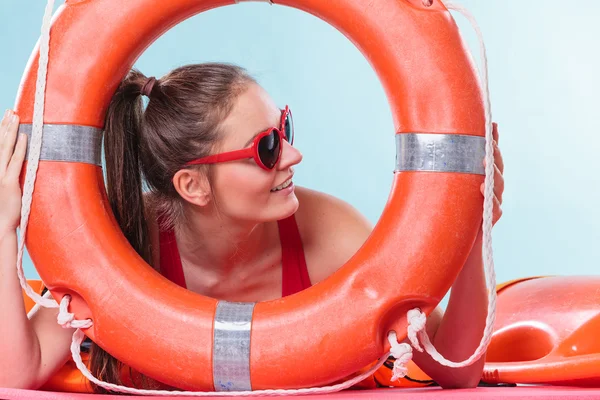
(404, 394)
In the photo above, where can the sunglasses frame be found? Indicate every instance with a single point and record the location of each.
(252, 151)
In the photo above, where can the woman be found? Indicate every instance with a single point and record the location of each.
(222, 216)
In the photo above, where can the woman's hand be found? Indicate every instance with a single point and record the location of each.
(498, 178)
(12, 154)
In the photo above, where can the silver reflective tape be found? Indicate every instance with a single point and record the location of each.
(231, 346)
(440, 153)
(71, 143)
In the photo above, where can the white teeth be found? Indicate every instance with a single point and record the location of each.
(282, 186)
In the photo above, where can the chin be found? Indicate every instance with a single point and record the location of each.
(284, 209)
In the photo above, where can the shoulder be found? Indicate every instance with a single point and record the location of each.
(320, 212)
(331, 230)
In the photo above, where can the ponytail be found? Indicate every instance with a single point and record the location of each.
(123, 169)
(124, 184)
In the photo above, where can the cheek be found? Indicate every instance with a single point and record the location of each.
(242, 186)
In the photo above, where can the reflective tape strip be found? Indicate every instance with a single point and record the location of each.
(440, 153)
(231, 346)
(70, 143)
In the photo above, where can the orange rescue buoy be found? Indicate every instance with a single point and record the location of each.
(546, 332)
(194, 342)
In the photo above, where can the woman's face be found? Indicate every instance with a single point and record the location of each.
(243, 190)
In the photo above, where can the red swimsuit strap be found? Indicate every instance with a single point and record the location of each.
(170, 262)
(294, 271)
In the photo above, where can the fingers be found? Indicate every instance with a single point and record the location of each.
(497, 210)
(498, 184)
(3, 128)
(498, 177)
(497, 154)
(5, 120)
(16, 162)
(497, 213)
(498, 159)
(8, 134)
(495, 131)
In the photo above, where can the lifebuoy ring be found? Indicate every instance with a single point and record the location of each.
(198, 343)
(546, 332)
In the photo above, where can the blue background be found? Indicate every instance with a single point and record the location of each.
(544, 80)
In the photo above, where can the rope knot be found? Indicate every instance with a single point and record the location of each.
(417, 320)
(402, 352)
(67, 319)
(64, 316)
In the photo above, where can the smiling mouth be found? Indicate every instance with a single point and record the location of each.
(282, 186)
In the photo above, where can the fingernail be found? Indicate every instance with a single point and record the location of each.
(13, 119)
(6, 113)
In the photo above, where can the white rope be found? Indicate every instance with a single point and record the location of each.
(416, 319)
(402, 352)
(79, 336)
(65, 319)
(37, 306)
(417, 322)
(35, 147)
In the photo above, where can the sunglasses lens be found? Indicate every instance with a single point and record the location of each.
(268, 149)
(288, 128)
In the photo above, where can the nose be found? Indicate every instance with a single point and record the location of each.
(290, 156)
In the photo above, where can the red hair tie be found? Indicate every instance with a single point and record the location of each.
(147, 88)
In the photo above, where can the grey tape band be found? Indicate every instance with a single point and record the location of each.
(440, 153)
(231, 346)
(70, 143)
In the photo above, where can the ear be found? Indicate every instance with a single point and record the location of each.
(193, 186)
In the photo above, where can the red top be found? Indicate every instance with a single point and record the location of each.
(294, 272)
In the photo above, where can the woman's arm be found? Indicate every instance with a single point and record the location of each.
(457, 333)
(31, 350)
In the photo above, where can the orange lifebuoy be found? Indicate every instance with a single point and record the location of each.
(410, 260)
(546, 332)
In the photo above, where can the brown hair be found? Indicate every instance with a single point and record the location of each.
(181, 122)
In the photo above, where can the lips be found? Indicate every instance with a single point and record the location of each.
(283, 184)
(285, 180)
